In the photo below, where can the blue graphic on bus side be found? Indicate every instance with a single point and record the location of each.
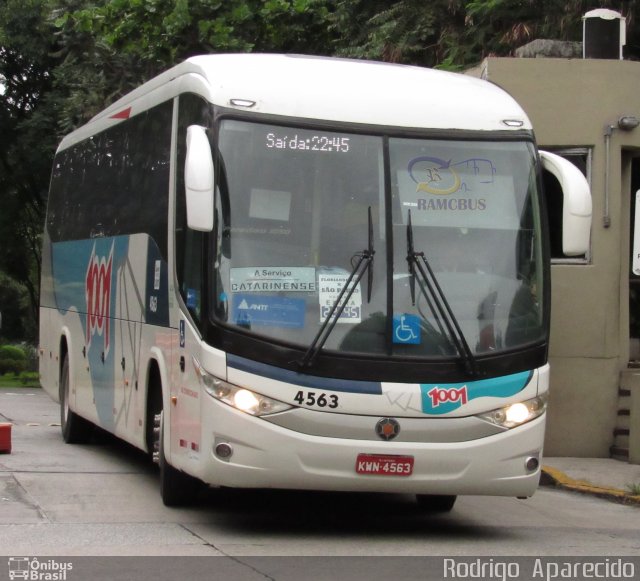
(268, 311)
(94, 279)
(85, 279)
(406, 329)
(442, 398)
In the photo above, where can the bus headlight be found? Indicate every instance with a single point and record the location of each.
(240, 398)
(516, 414)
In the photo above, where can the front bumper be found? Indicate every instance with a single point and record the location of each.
(269, 456)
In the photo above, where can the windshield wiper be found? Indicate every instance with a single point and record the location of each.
(418, 264)
(364, 264)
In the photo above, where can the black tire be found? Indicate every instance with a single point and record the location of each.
(75, 430)
(176, 487)
(435, 503)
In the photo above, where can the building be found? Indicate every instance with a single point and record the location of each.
(588, 110)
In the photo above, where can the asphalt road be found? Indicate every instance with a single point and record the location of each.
(102, 499)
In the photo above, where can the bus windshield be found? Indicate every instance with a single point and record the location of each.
(292, 219)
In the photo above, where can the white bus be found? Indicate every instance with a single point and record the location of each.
(295, 272)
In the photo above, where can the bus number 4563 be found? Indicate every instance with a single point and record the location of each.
(313, 399)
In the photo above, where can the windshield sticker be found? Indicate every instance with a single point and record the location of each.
(270, 205)
(273, 279)
(441, 177)
(406, 329)
(467, 193)
(444, 398)
(330, 286)
(192, 298)
(264, 311)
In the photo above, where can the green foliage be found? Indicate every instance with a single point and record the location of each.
(12, 366)
(498, 27)
(12, 352)
(13, 359)
(453, 34)
(23, 379)
(108, 49)
(28, 127)
(62, 61)
(405, 31)
(29, 378)
(15, 309)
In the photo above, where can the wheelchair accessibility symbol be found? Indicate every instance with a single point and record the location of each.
(406, 329)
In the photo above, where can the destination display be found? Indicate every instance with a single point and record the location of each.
(306, 141)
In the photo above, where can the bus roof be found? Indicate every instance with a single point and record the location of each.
(332, 89)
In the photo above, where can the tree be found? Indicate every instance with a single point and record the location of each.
(28, 127)
(404, 31)
(62, 61)
(498, 27)
(13, 309)
(454, 34)
(108, 49)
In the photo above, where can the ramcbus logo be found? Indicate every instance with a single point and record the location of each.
(439, 395)
(98, 296)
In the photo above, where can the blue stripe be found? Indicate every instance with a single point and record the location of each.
(302, 380)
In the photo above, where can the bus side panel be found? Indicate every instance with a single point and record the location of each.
(48, 365)
(184, 418)
(143, 296)
(103, 291)
(128, 401)
(48, 346)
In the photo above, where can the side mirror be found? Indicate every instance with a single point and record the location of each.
(199, 180)
(576, 213)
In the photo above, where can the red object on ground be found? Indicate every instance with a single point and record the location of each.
(5, 438)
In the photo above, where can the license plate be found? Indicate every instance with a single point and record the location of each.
(384, 465)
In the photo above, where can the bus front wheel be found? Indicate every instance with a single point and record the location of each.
(176, 487)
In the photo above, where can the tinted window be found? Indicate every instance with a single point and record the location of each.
(115, 183)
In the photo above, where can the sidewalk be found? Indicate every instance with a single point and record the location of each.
(602, 477)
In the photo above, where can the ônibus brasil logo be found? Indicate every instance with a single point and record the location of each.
(34, 569)
(98, 296)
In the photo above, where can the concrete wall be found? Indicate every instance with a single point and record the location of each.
(570, 103)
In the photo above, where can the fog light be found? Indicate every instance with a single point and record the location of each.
(224, 451)
(532, 464)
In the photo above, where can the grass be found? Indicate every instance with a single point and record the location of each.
(634, 489)
(24, 379)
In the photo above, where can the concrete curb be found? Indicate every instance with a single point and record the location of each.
(554, 477)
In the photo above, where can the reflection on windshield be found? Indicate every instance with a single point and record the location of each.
(298, 212)
(292, 213)
(475, 218)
